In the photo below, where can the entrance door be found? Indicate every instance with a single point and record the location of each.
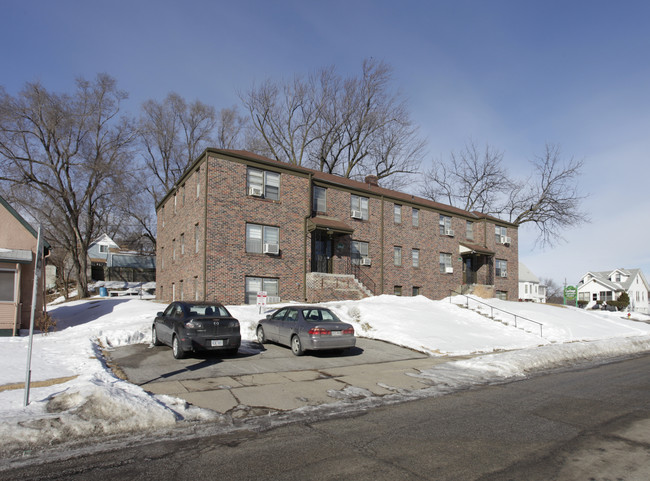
(469, 276)
(321, 246)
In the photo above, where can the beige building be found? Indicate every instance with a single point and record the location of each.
(18, 252)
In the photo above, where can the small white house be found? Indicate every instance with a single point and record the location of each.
(530, 288)
(609, 285)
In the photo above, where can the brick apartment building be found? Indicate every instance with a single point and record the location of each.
(237, 223)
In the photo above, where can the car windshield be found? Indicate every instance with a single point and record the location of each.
(319, 315)
(196, 310)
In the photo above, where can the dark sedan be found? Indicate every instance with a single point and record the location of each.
(196, 326)
(305, 328)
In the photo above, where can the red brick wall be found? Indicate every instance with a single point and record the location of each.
(223, 257)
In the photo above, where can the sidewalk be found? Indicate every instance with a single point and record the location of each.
(288, 390)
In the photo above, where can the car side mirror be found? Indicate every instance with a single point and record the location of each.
(268, 316)
(159, 314)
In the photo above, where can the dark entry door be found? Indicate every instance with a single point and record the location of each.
(321, 260)
(469, 275)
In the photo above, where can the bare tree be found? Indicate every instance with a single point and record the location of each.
(231, 128)
(173, 134)
(350, 127)
(549, 198)
(65, 158)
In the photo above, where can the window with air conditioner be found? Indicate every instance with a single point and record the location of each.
(445, 263)
(262, 239)
(501, 268)
(445, 225)
(359, 253)
(358, 207)
(500, 234)
(263, 183)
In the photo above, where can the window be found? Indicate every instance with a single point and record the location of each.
(320, 199)
(7, 286)
(501, 268)
(197, 238)
(261, 183)
(174, 202)
(257, 284)
(259, 235)
(397, 255)
(416, 291)
(415, 256)
(183, 195)
(469, 230)
(162, 215)
(445, 225)
(162, 258)
(397, 213)
(198, 183)
(445, 263)
(182, 245)
(502, 295)
(180, 290)
(397, 290)
(103, 248)
(173, 249)
(196, 288)
(500, 233)
(359, 207)
(415, 217)
(358, 251)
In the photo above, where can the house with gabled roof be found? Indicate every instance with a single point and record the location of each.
(606, 286)
(237, 227)
(109, 262)
(18, 256)
(530, 288)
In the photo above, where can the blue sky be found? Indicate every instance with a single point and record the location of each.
(514, 74)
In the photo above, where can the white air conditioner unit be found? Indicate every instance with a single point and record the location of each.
(256, 191)
(504, 240)
(272, 249)
(504, 274)
(507, 241)
(449, 270)
(449, 232)
(356, 214)
(365, 261)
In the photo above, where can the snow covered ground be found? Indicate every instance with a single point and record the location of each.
(75, 395)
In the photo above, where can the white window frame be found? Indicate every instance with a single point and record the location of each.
(397, 255)
(360, 204)
(499, 232)
(500, 266)
(415, 257)
(359, 250)
(253, 285)
(469, 230)
(445, 224)
(267, 235)
(445, 262)
(397, 213)
(415, 217)
(265, 180)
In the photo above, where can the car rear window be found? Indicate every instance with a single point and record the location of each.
(319, 315)
(208, 311)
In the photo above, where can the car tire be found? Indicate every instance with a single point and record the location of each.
(154, 337)
(296, 346)
(177, 350)
(261, 337)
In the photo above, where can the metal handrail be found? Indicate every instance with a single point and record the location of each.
(492, 308)
(361, 276)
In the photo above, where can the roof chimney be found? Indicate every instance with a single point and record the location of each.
(372, 180)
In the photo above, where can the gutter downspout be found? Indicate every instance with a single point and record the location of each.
(304, 244)
(381, 241)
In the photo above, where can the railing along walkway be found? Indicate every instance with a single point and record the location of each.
(492, 309)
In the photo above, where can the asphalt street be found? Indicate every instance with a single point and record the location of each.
(586, 424)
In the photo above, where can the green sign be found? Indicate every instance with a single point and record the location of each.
(571, 295)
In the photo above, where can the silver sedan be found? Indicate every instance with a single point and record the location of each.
(305, 328)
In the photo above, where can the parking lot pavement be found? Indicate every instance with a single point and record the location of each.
(271, 377)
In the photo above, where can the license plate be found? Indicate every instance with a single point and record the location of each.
(217, 343)
(336, 333)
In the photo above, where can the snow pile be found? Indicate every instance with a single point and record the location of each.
(74, 394)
